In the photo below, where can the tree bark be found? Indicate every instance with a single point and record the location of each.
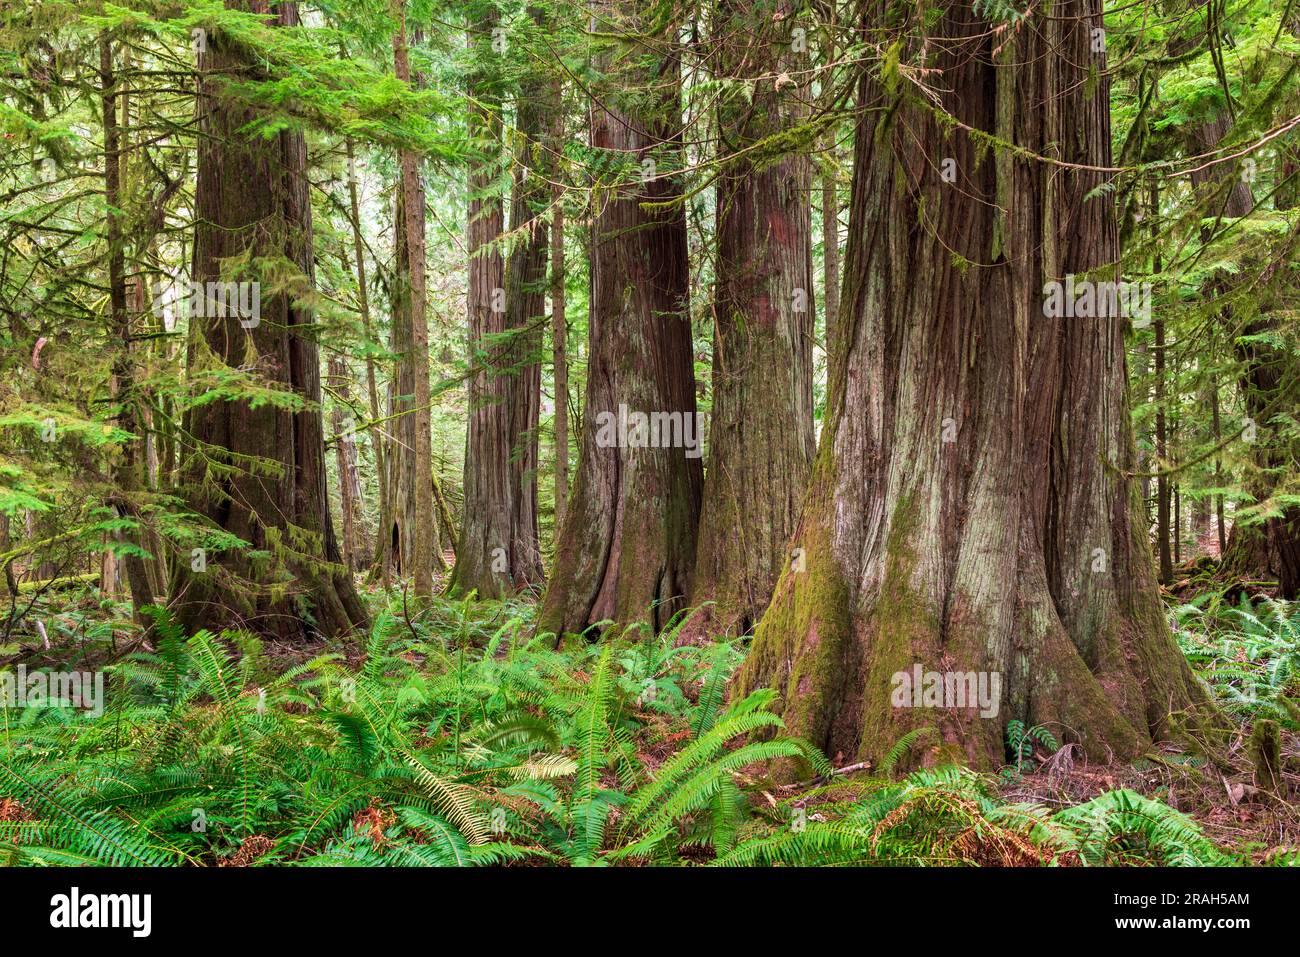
(483, 557)
(969, 510)
(1163, 535)
(258, 472)
(525, 288)
(425, 552)
(377, 440)
(761, 435)
(128, 471)
(626, 548)
(1270, 549)
(559, 325)
(345, 450)
(831, 238)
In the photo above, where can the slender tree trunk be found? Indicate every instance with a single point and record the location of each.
(1162, 435)
(1177, 525)
(424, 552)
(399, 535)
(559, 326)
(525, 286)
(831, 238)
(258, 472)
(1162, 461)
(761, 436)
(628, 541)
(377, 440)
(128, 472)
(969, 511)
(483, 558)
(1217, 427)
(345, 450)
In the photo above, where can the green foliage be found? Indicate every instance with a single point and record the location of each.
(949, 817)
(493, 748)
(1249, 655)
(461, 739)
(1021, 741)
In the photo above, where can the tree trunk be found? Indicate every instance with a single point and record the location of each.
(399, 535)
(968, 509)
(525, 317)
(831, 238)
(377, 440)
(628, 541)
(345, 450)
(128, 471)
(1217, 437)
(1162, 434)
(425, 552)
(258, 472)
(559, 326)
(761, 435)
(483, 557)
(1271, 549)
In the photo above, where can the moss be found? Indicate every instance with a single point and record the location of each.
(802, 641)
(1266, 756)
(903, 629)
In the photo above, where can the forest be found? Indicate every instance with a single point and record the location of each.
(647, 433)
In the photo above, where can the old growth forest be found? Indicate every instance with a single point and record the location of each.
(697, 433)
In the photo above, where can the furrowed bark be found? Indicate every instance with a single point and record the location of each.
(258, 473)
(483, 554)
(128, 471)
(761, 435)
(969, 510)
(627, 544)
(425, 553)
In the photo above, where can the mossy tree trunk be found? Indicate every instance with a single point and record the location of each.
(258, 472)
(626, 547)
(129, 468)
(761, 434)
(968, 510)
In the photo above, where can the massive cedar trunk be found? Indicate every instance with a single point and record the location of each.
(626, 547)
(968, 510)
(761, 435)
(482, 556)
(259, 472)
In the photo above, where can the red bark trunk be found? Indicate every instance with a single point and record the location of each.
(628, 540)
(258, 472)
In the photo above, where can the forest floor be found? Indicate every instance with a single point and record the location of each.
(460, 737)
